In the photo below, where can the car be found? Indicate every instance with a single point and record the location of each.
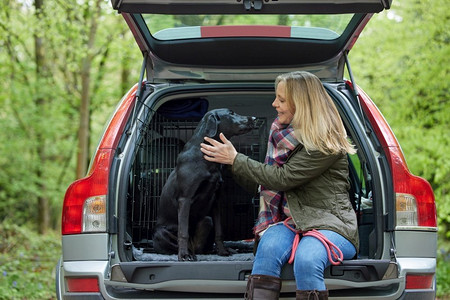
(201, 55)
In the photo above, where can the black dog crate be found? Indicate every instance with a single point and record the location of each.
(162, 139)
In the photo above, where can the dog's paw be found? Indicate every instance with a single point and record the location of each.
(223, 252)
(186, 257)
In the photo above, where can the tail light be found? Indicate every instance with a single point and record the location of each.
(84, 208)
(415, 203)
(416, 208)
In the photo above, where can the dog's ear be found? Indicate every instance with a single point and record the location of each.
(212, 124)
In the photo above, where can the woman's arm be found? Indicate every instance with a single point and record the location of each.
(301, 168)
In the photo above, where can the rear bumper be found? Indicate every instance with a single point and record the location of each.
(124, 290)
(419, 295)
(418, 266)
(80, 269)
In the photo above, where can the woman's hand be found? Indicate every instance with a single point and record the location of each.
(223, 153)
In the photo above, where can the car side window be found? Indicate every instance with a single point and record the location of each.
(360, 193)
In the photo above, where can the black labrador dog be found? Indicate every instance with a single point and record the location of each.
(188, 208)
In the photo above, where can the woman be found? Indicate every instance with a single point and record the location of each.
(304, 189)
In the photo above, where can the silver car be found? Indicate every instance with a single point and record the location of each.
(199, 55)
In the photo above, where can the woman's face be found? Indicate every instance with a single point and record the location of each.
(285, 115)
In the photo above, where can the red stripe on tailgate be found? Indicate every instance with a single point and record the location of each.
(245, 31)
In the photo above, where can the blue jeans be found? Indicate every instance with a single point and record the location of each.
(311, 257)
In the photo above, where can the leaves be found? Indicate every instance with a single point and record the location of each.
(402, 61)
(40, 106)
(27, 263)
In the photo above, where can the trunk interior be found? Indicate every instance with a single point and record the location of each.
(165, 124)
(170, 127)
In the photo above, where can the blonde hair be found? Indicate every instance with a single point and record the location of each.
(316, 122)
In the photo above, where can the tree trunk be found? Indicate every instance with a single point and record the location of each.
(83, 131)
(124, 76)
(41, 72)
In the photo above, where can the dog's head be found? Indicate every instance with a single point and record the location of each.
(226, 121)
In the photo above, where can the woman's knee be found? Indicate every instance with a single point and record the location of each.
(273, 251)
(309, 272)
(308, 264)
(311, 256)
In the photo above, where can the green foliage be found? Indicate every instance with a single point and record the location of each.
(40, 104)
(443, 272)
(27, 263)
(402, 60)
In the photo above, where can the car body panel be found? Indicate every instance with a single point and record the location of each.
(92, 246)
(80, 269)
(406, 242)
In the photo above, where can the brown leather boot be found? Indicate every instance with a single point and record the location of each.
(263, 287)
(311, 295)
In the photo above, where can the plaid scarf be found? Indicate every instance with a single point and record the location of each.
(272, 203)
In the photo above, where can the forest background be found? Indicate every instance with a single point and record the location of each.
(64, 65)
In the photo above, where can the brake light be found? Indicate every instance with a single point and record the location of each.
(419, 281)
(84, 208)
(82, 285)
(414, 196)
(415, 203)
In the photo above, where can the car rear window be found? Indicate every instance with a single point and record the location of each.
(175, 27)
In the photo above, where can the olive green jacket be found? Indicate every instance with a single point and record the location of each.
(316, 188)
